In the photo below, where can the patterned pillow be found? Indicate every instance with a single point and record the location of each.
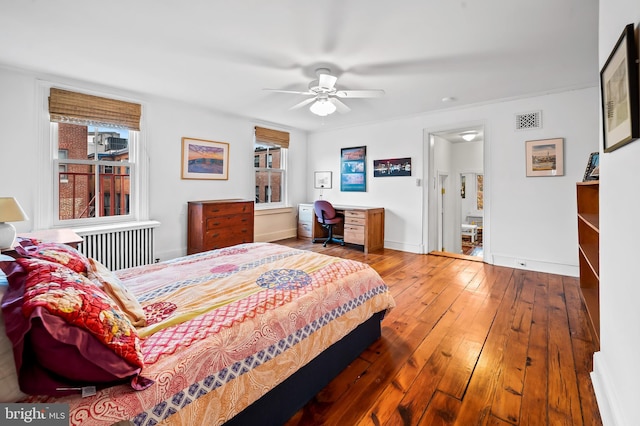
(54, 252)
(107, 281)
(66, 332)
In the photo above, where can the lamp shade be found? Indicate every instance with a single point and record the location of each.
(10, 211)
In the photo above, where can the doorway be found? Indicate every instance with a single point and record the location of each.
(456, 206)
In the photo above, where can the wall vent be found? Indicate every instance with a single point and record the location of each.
(529, 120)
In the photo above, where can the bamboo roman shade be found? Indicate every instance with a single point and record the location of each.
(274, 136)
(66, 106)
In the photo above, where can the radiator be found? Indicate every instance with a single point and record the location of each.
(119, 246)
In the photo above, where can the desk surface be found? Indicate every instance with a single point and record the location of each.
(349, 207)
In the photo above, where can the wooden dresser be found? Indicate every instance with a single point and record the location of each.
(215, 224)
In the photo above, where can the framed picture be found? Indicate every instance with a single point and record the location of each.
(392, 167)
(620, 97)
(322, 180)
(202, 159)
(545, 157)
(353, 169)
(592, 172)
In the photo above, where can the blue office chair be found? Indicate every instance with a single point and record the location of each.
(328, 218)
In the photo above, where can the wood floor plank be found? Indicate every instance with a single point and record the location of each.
(564, 400)
(442, 410)
(533, 410)
(468, 344)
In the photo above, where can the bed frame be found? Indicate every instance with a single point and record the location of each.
(283, 401)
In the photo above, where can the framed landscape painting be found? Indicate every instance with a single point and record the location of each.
(203, 159)
(545, 157)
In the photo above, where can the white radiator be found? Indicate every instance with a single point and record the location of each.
(119, 246)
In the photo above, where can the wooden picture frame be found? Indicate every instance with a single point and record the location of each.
(592, 172)
(545, 157)
(203, 159)
(322, 180)
(619, 93)
(353, 169)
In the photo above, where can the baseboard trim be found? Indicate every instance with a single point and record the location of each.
(535, 265)
(605, 392)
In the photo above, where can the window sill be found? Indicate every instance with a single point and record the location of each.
(271, 210)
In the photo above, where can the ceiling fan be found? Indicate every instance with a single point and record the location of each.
(325, 97)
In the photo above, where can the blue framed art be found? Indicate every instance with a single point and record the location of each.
(353, 169)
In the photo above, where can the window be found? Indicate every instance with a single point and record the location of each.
(94, 168)
(270, 160)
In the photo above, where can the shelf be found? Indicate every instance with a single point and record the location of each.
(588, 206)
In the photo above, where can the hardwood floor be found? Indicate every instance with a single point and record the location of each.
(467, 344)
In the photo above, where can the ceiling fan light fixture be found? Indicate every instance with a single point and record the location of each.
(469, 136)
(322, 107)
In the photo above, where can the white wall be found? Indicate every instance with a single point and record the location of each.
(165, 122)
(616, 367)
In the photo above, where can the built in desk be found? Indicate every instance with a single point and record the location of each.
(362, 226)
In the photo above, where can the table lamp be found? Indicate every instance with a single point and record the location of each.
(10, 211)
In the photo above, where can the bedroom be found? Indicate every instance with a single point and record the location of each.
(553, 251)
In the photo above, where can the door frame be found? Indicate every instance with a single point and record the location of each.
(430, 221)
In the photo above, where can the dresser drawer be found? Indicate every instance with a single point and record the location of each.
(228, 221)
(214, 237)
(220, 209)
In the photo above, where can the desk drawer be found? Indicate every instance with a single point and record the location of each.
(305, 213)
(353, 215)
(304, 230)
(356, 221)
(354, 234)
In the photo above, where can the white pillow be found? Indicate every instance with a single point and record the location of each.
(9, 388)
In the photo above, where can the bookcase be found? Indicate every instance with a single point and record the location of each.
(588, 200)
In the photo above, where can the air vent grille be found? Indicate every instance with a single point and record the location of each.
(529, 120)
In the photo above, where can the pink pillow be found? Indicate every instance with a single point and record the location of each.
(66, 332)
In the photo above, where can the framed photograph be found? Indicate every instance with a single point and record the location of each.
(620, 96)
(322, 180)
(392, 167)
(202, 159)
(592, 172)
(353, 169)
(545, 157)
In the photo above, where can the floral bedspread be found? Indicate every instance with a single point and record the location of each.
(226, 326)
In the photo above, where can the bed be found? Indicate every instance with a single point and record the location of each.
(241, 335)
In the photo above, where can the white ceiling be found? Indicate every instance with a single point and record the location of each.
(221, 54)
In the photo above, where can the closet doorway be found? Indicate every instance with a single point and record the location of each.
(456, 197)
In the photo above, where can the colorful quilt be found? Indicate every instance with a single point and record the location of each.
(226, 326)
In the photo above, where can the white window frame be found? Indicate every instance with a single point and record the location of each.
(47, 203)
(282, 169)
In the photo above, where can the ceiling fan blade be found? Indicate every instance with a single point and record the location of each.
(340, 106)
(295, 92)
(303, 103)
(375, 93)
(327, 81)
